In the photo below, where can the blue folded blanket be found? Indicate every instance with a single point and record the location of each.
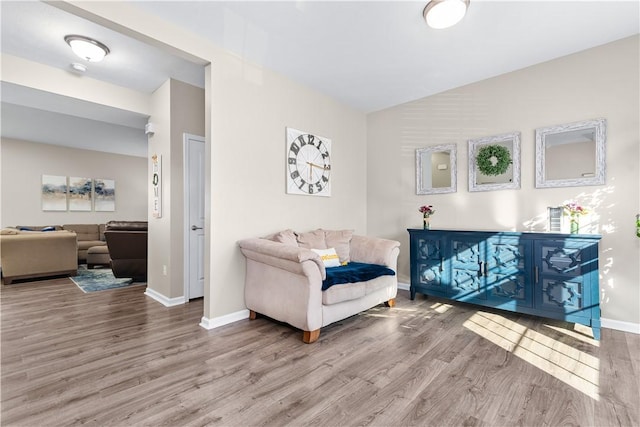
(354, 272)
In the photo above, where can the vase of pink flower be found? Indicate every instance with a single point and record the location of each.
(427, 211)
(574, 211)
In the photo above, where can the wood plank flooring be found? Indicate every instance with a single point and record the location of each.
(118, 358)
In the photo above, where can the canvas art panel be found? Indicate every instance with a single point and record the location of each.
(104, 195)
(54, 193)
(79, 194)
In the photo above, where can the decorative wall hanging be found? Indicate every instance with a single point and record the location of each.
(54, 193)
(308, 164)
(571, 155)
(436, 169)
(156, 184)
(80, 191)
(494, 162)
(104, 195)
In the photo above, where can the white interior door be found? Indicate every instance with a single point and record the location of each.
(194, 175)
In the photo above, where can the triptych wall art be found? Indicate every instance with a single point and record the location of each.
(61, 193)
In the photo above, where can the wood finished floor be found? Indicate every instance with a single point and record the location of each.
(119, 358)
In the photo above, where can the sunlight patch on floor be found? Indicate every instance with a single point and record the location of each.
(570, 365)
(581, 333)
(441, 308)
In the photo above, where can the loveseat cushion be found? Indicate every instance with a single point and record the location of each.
(312, 239)
(339, 239)
(354, 272)
(325, 239)
(287, 237)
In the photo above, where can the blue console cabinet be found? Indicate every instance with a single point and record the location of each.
(545, 274)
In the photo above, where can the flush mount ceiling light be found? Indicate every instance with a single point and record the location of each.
(86, 48)
(444, 13)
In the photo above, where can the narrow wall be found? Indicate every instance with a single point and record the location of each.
(24, 163)
(177, 108)
(599, 82)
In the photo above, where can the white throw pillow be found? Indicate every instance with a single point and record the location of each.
(328, 256)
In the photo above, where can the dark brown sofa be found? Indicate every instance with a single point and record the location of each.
(127, 243)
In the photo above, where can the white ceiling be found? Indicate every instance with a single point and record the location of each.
(368, 54)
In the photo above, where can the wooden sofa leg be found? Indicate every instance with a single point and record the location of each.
(390, 303)
(252, 315)
(310, 337)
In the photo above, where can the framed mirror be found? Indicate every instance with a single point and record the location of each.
(436, 169)
(571, 155)
(494, 162)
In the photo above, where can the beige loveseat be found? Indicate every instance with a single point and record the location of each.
(32, 254)
(284, 277)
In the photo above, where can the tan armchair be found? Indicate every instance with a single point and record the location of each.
(284, 282)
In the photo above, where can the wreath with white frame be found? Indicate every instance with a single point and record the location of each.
(493, 160)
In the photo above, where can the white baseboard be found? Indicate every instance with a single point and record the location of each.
(167, 302)
(216, 322)
(404, 286)
(618, 325)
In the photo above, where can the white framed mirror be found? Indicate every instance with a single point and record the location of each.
(436, 169)
(571, 155)
(494, 162)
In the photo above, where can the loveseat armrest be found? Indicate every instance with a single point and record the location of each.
(375, 250)
(279, 255)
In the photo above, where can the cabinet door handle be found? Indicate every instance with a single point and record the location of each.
(535, 270)
(480, 271)
(486, 269)
(441, 264)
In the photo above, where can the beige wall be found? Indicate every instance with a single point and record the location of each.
(600, 82)
(24, 163)
(177, 108)
(251, 107)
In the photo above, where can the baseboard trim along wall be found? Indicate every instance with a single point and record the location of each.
(167, 302)
(618, 325)
(216, 322)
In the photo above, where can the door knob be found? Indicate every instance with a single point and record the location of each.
(194, 228)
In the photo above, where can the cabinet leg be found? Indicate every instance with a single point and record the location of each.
(413, 294)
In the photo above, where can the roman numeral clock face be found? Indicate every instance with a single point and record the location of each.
(308, 164)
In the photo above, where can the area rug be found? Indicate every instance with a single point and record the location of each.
(98, 279)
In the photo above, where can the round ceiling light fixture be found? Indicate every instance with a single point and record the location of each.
(441, 14)
(87, 48)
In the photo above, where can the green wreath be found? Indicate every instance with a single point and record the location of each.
(493, 160)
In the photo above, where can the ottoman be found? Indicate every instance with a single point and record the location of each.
(98, 255)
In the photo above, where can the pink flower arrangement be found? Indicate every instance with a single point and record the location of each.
(575, 209)
(427, 211)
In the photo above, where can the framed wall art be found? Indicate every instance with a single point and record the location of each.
(104, 191)
(156, 184)
(79, 194)
(54, 193)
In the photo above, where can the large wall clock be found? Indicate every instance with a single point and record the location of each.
(308, 164)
